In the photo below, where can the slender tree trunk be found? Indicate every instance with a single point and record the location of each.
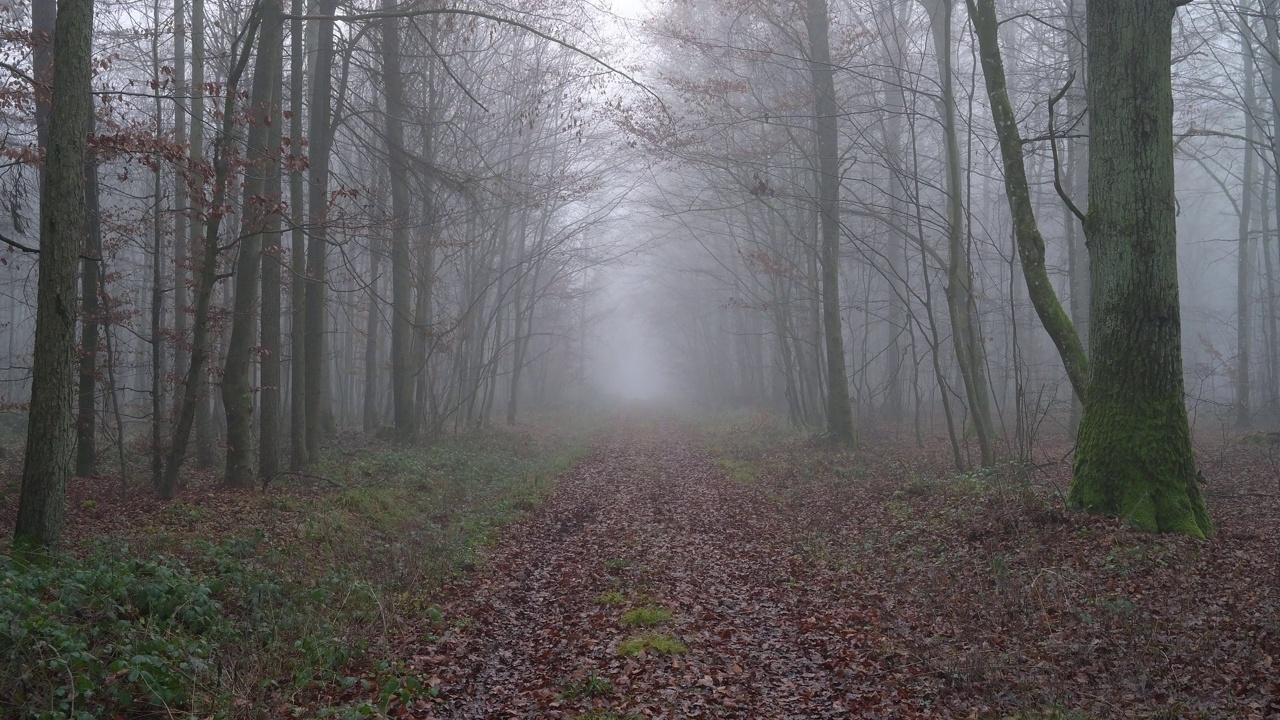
(158, 266)
(201, 346)
(237, 395)
(269, 435)
(204, 441)
(317, 246)
(1076, 161)
(1031, 249)
(1273, 335)
(50, 420)
(402, 388)
(1134, 456)
(297, 252)
(372, 418)
(1243, 270)
(963, 310)
(839, 411)
(181, 241)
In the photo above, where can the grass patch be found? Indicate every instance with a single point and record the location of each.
(612, 597)
(592, 685)
(270, 596)
(651, 642)
(613, 566)
(646, 616)
(1051, 714)
(739, 471)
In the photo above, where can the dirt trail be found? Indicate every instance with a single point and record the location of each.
(652, 518)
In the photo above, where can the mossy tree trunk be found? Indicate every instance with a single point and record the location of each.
(1026, 229)
(1134, 457)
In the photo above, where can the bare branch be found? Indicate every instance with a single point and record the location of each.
(1053, 143)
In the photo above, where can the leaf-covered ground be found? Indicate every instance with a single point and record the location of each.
(736, 571)
(671, 577)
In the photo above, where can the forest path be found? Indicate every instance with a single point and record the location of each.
(648, 520)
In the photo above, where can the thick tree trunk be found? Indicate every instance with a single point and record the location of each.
(1134, 456)
(90, 276)
(50, 420)
(839, 411)
(237, 395)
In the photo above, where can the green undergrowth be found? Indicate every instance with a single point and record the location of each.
(200, 615)
(646, 616)
(651, 642)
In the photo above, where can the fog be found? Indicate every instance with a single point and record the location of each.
(536, 208)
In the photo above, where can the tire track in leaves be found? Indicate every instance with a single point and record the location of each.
(647, 516)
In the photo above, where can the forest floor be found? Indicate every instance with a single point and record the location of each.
(658, 569)
(732, 574)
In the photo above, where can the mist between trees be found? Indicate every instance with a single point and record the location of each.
(968, 222)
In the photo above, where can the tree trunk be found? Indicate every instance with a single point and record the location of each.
(839, 411)
(297, 253)
(317, 245)
(1030, 242)
(1243, 304)
(157, 275)
(372, 418)
(237, 395)
(193, 400)
(1134, 456)
(181, 203)
(90, 322)
(965, 332)
(402, 386)
(269, 397)
(50, 420)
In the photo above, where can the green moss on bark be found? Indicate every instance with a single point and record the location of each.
(1134, 461)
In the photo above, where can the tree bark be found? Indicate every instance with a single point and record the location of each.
(839, 411)
(1134, 456)
(297, 252)
(237, 395)
(317, 245)
(50, 423)
(90, 322)
(269, 431)
(965, 333)
(1031, 250)
(402, 387)
(193, 391)
(1243, 304)
(181, 241)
